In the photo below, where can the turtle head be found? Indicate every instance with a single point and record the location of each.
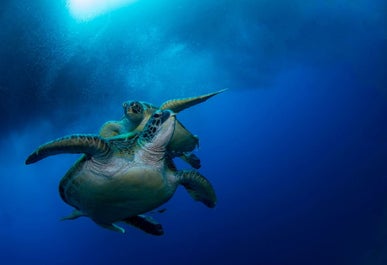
(134, 111)
(159, 129)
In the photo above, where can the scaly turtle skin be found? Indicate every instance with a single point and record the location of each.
(137, 114)
(121, 178)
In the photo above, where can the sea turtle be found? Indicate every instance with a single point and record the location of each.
(137, 113)
(121, 178)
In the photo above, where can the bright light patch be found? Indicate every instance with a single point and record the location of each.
(88, 9)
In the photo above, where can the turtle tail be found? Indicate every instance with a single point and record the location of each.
(197, 186)
(91, 145)
(177, 105)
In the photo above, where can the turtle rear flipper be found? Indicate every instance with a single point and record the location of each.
(74, 215)
(177, 105)
(197, 186)
(113, 227)
(74, 144)
(146, 224)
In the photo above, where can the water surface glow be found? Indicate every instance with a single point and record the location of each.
(88, 9)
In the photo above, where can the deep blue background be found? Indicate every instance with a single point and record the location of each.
(296, 148)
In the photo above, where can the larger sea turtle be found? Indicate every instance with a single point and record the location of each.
(137, 113)
(121, 178)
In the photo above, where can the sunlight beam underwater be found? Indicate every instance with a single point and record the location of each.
(85, 10)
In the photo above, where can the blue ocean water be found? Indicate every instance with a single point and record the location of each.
(296, 148)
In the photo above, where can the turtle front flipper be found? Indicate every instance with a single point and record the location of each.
(182, 140)
(197, 186)
(191, 159)
(74, 144)
(177, 105)
(146, 224)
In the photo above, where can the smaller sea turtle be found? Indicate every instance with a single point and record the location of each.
(121, 178)
(137, 114)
